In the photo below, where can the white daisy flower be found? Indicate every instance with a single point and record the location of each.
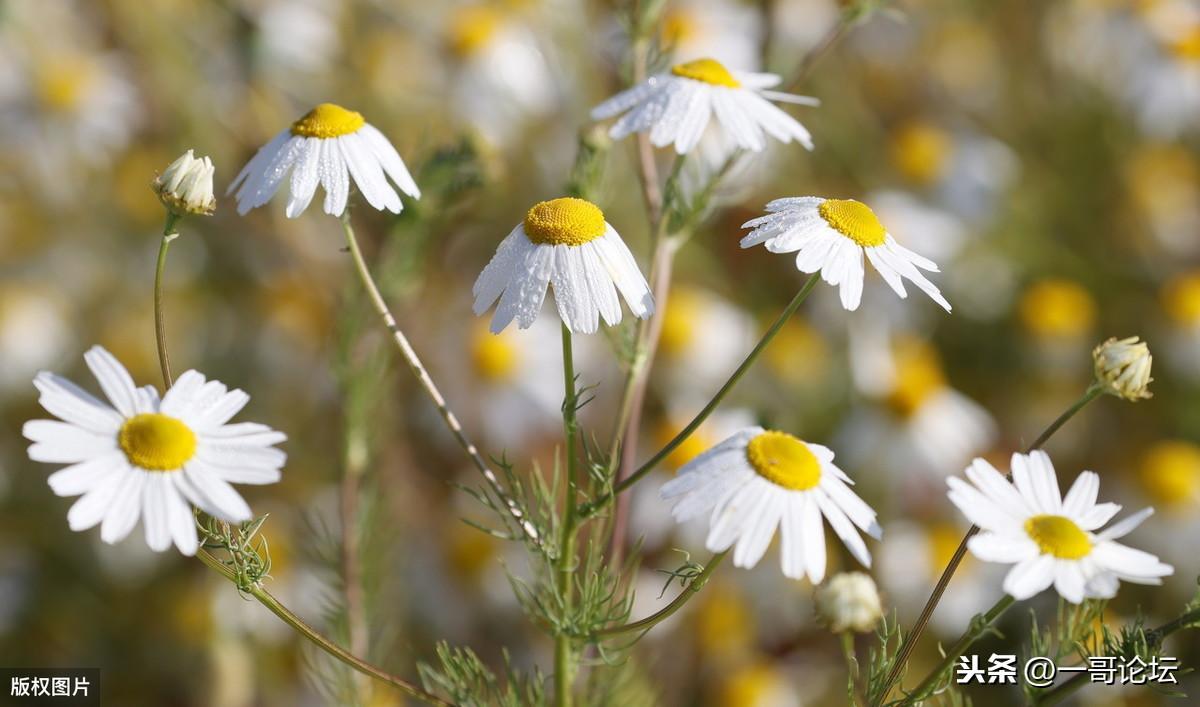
(675, 107)
(1049, 538)
(565, 243)
(142, 457)
(760, 479)
(329, 146)
(831, 236)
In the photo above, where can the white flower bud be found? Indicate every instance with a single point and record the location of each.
(849, 602)
(1123, 367)
(186, 186)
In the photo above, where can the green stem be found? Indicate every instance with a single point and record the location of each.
(692, 589)
(590, 508)
(160, 330)
(427, 385)
(846, 638)
(910, 641)
(977, 629)
(1154, 639)
(268, 600)
(258, 592)
(563, 668)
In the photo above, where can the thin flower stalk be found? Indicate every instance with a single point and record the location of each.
(692, 589)
(977, 629)
(255, 589)
(422, 375)
(563, 668)
(910, 641)
(598, 503)
(160, 330)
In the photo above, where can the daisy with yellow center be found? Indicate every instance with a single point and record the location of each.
(758, 480)
(1049, 538)
(329, 146)
(676, 106)
(143, 457)
(831, 236)
(567, 244)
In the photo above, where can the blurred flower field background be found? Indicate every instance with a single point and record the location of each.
(1045, 154)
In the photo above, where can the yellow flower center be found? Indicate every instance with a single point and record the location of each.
(494, 356)
(1170, 473)
(565, 221)
(783, 460)
(1058, 536)
(1187, 47)
(800, 354)
(679, 26)
(920, 152)
(471, 28)
(328, 120)
(679, 322)
(709, 71)
(918, 376)
(943, 540)
(156, 442)
(1057, 308)
(751, 686)
(854, 220)
(1181, 298)
(61, 84)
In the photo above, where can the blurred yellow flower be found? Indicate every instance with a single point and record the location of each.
(921, 151)
(1170, 474)
(799, 354)
(1181, 299)
(61, 83)
(470, 28)
(495, 357)
(918, 375)
(691, 448)
(756, 684)
(724, 621)
(1055, 308)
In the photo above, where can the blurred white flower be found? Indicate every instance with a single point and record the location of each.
(142, 457)
(329, 145)
(831, 237)
(34, 329)
(912, 561)
(849, 601)
(565, 243)
(64, 105)
(759, 480)
(703, 338)
(726, 30)
(676, 106)
(1048, 538)
(186, 185)
(500, 78)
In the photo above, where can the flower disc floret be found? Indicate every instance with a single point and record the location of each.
(854, 220)
(156, 442)
(709, 71)
(784, 460)
(1058, 536)
(328, 120)
(565, 221)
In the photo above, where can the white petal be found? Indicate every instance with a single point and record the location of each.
(126, 506)
(1030, 577)
(67, 401)
(997, 547)
(60, 442)
(114, 380)
(85, 476)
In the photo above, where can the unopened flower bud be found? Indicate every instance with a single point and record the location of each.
(186, 186)
(1123, 367)
(849, 602)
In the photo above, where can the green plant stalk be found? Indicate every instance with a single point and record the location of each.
(563, 668)
(910, 641)
(977, 629)
(255, 590)
(276, 607)
(692, 589)
(591, 508)
(427, 385)
(846, 639)
(160, 329)
(1155, 638)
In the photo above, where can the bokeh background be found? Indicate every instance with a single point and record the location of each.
(1044, 153)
